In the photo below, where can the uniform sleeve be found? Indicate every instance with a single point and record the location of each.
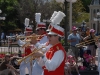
(20, 42)
(55, 62)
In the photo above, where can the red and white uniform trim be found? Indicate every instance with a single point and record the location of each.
(55, 60)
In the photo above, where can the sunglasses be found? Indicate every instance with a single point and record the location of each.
(51, 35)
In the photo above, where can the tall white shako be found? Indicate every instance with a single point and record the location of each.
(27, 22)
(28, 28)
(39, 23)
(55, 29)
(53, 15)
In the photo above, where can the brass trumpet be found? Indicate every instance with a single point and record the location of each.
(30, 55)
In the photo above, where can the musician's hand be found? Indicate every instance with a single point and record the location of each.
(38, 54)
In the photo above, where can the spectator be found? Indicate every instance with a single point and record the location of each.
(6, 68)
(73, 39)
(72, 64)
(87, 31)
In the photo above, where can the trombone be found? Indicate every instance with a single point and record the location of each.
(88, 42)
(30, 55)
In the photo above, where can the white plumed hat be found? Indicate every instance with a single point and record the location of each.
(53, 15)
(53, 28)
(26, 22)
(37, 17)
(40, 25)
(58, 18)
(56, 30)
(28, 29)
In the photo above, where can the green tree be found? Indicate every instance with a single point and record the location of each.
(77, 8)
(86, 3)
(8, 8)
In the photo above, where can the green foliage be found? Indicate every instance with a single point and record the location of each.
(17, 10)
(8, 8)
(63, 42)
(77, 7)
(86, 3)
(82, 16)
(56, 6)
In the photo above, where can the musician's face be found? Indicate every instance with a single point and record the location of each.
(38, 31)
(52, 39)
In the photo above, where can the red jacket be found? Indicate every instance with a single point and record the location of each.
(49, 55)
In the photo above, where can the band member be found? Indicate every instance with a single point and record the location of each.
(6, 68)
(26, 64)
(42, 39)
(53, 61)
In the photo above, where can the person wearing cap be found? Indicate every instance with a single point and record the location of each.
(41, 40)
(24, 64)
(73, 39)
(91, 45)
(53, 61)
(6, 68)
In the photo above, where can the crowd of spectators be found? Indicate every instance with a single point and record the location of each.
(86, 52)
